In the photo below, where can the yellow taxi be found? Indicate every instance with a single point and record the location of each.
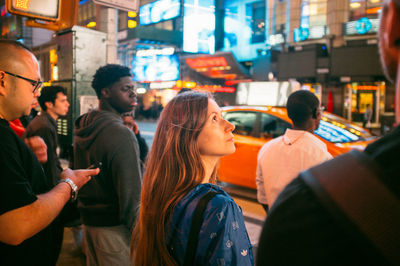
(254, 126)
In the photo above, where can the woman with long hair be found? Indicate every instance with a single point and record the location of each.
(190, 138)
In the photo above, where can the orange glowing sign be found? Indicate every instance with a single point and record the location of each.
(204, 62)
(374, 10)
(215, 88)
(46, 10)
(22, 4)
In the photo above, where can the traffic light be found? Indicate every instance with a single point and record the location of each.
(55, 15)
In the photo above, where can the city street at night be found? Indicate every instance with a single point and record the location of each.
(289, 107)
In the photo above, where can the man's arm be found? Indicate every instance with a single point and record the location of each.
(127, 178)
(261, 196)
(22, 223)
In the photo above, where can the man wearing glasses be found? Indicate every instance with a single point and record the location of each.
(26, 205)
(281, 159)
(36, 84)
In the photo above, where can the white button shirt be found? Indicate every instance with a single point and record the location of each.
(282, 159)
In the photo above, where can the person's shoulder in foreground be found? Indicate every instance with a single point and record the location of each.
(299, 230)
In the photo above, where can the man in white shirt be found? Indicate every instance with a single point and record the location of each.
(282, 159)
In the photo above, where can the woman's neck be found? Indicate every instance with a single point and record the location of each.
(209, 164)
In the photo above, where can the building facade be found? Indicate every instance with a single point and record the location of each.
(329, 47)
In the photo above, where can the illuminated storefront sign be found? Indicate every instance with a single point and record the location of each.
(151, 52)
(203, 62)
(271, 93)
(162, 85)
(316, 32)
(128, 5)
(159, 11)
(155, 65)
(199, 26)
(361, 26)
(275, 39)
(221, 65)
(300, 34)
(44, 9)
(215, 88)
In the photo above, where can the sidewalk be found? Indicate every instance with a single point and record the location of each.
(70, 254)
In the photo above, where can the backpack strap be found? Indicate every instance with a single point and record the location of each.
(195, 228)
(349, 183)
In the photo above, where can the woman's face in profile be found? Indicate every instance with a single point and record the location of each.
(216, 138)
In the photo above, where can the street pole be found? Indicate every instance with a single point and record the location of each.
(109, 25)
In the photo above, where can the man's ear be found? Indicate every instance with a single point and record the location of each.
(2, 83)
(48, 105)
(393, 27)
(105, 92)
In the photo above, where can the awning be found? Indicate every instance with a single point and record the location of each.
(221, 65)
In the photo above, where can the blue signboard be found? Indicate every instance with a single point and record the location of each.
(155, 68)
(301, 34)
(363, 25)
(199, 26)
(159, 11)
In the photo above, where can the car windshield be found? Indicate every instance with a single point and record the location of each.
(338, 130)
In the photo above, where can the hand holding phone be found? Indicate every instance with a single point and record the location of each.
(95, 165)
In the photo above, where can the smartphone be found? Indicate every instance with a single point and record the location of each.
(95, 165)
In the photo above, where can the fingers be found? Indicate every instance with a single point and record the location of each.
(80, 177)
(135, 127)
(93, 172)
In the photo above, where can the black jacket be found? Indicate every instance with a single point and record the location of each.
(45, 127)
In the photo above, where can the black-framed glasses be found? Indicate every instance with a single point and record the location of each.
(35, 83)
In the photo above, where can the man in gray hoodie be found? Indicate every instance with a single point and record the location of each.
(109, 204)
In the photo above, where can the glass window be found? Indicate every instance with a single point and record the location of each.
(335, 129)
(243, 121)
(364, 8)
(255, 18)
(272, 126)
(313, 13)
(280, 17)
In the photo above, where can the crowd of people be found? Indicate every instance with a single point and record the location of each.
(162, 206)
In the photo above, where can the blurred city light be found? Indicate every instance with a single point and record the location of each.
(91, 24)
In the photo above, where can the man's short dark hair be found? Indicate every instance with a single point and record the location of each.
(107, 75)
(49, 94)
(301, 106)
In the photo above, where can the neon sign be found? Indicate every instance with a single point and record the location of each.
(363, 25)
(206, 62)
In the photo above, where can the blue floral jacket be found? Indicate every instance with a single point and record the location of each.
(223, 238)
